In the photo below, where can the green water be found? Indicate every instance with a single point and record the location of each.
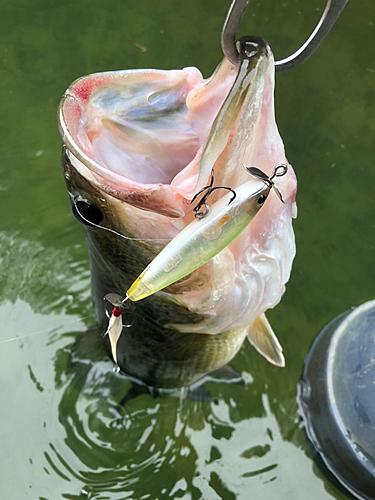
(61, 435)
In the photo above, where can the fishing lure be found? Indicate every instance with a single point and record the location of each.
(206, 236)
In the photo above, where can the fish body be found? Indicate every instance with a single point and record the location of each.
(149, 349)
(134, 142)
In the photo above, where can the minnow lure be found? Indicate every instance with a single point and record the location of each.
(205, 237)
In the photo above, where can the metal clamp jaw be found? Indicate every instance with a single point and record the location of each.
(330, 15)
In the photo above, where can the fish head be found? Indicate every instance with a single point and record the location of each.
(138, 145)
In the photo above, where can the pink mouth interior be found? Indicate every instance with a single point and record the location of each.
(150, 129)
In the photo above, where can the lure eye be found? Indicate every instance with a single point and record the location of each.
(87, 213)
(261, 199)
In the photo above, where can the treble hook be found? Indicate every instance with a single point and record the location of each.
(198, 212)
(279, 171)
(330, 15)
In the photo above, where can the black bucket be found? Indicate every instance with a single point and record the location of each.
(336, 399)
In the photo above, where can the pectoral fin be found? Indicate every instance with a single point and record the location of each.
(262, 337)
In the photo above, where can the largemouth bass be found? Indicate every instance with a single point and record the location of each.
(137, 147)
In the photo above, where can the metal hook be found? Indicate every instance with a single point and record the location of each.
(330, 15)
(120, 302)
(280, 170)
(198, 212)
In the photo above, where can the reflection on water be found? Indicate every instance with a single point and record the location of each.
(74, 440)
(47, 279)
(82, 443)
(171, 447)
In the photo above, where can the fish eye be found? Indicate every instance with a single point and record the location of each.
(261, 199)
(87, 213)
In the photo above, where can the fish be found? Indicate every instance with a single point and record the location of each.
(137, 146)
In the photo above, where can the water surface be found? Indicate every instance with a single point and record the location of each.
(62, 434)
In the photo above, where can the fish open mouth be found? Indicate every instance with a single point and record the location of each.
(139, 135)
(144, 131)
(135, 131)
